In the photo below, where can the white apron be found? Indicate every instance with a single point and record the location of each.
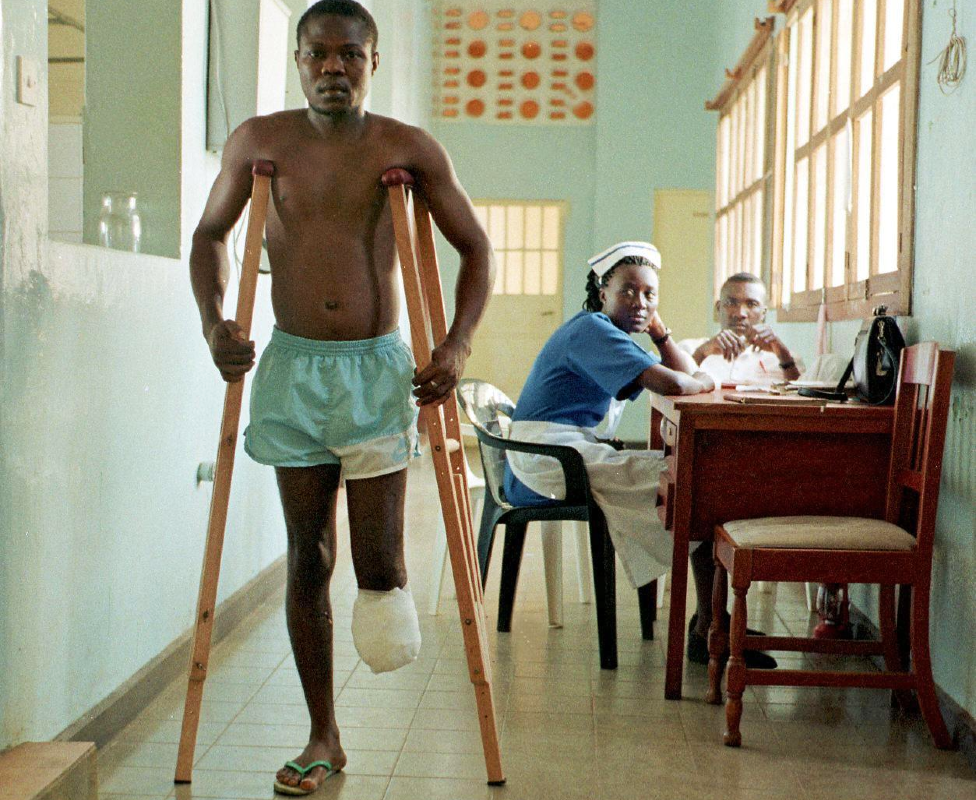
(624, 484)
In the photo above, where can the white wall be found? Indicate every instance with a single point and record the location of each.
(108, 401)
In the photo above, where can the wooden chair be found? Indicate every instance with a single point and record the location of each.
(488, 408)
(896, 551)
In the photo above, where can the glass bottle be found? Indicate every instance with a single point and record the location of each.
(119, 224)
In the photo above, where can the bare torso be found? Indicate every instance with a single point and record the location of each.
(330, 229)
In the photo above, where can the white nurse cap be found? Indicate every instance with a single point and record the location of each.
(604, 261)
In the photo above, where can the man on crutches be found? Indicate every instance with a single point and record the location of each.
(335, 388)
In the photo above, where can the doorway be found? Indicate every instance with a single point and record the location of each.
(683, 232)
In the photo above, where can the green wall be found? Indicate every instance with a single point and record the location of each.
(945, 267)
(654, 72)
(943, 296)
(496, 162)
(653, 131)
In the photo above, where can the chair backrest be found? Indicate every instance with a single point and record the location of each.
(490, 411)
(921, 415)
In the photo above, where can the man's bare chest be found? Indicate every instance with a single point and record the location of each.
(329, 183)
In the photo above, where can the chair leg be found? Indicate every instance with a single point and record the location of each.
(584, 569)
(718, 635)
(647, 603)
(490, 513)
(737, 668)
(478, 511)
(922, 663)
(889, 642)
(604, 590)
(552, 564)
(904, 624)
(511, 561)
(662, 590)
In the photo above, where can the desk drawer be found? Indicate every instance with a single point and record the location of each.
(669, 432)
(665, 500)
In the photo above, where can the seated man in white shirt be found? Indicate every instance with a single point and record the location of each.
(746, 350)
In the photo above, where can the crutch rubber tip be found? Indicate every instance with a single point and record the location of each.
(397, 177)
(262, 167)
(497, 783)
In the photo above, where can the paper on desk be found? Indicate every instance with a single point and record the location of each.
(752, 396)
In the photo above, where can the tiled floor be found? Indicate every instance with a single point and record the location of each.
(568, 729)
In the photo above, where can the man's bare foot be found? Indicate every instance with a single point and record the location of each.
(317, 750)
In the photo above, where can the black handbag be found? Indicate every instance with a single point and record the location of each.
(877, 350)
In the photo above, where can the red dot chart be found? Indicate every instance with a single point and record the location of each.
(534, 64)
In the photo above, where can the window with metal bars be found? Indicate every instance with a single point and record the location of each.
(527, 239)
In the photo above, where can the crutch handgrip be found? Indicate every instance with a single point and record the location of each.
(262, 167)
(397, 176)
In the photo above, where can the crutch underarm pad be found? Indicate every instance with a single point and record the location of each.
(262, 167)
(397, 177)
(385, 629)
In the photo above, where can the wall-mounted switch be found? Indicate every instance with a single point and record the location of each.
(28, 86)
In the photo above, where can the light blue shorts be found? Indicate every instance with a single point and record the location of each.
(334, 402)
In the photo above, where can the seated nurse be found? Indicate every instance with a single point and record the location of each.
(588, 362)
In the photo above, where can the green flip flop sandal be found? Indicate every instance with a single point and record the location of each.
(284, 788)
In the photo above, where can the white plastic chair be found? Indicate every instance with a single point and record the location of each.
(552, 554)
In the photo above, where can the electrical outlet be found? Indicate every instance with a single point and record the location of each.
(28, 86)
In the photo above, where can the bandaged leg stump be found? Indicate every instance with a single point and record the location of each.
(230, 422)
(385, 629)
(428, 322)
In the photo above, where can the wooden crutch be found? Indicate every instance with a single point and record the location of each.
(200, 655)
(428, 323)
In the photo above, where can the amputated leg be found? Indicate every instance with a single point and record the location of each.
(385, 627)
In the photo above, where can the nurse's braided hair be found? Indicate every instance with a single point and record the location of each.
(594, 284)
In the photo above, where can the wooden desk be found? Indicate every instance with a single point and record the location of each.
(728, 460)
